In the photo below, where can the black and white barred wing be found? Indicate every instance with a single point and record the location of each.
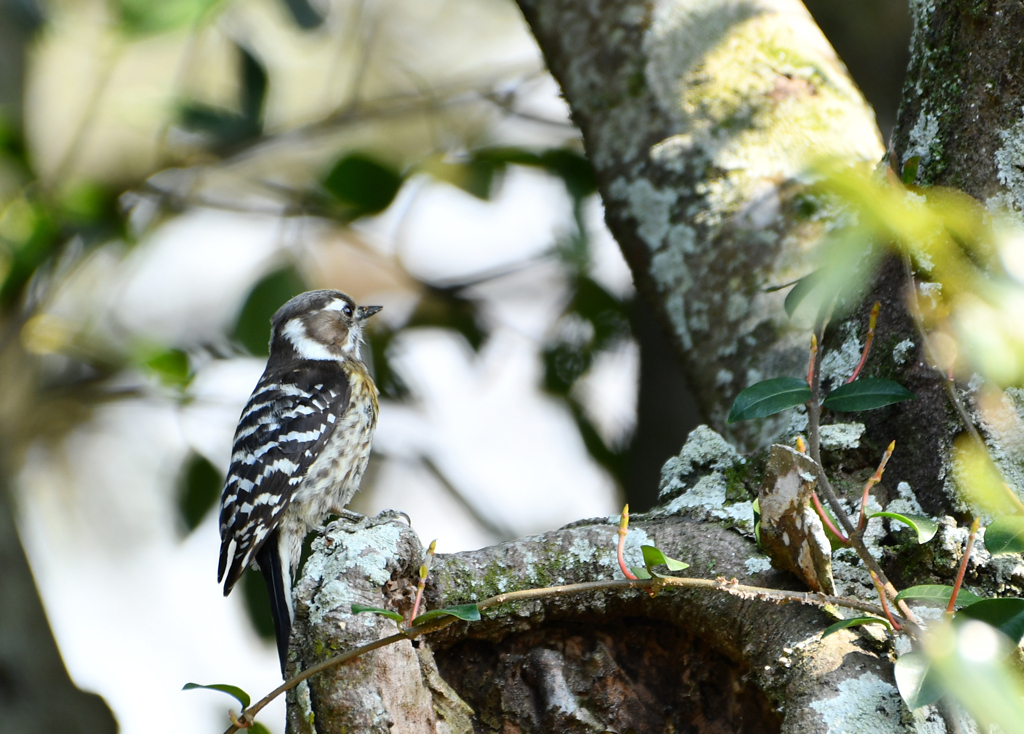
(289, 418)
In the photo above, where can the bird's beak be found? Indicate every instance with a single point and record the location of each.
(366, 312)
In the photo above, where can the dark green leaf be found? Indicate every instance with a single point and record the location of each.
(915, 680)
(362, 185)
(1006, 615)
(257, 604)
(865, 394)
(360, 609)
(937, 594)
(238, 693)
(800, 291)
(254, 88)
(198, 490)
(465, 612)
(258, 728)
(925, 527)
(769, 397)
(854, 622)
(574, 170)
(304, 14)
(1005, 535)
(449, 308)
(252, 330)
(910, 169)
(654, 557)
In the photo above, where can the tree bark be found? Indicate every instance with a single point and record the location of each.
(700, 118)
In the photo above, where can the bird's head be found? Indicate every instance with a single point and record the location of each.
(324, 325)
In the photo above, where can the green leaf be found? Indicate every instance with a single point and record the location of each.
(199, 487)
(362, 185)
(915, 680)
(925, 527)
(866, 394)
(252, 330)
(854, 622)
(800, 290)
(144, 17)
(258, 728)
(238, 693)
(937, 594)
(1005, 535)
(257, 603)
(769, 397)
(1006, 615)
(654, 557)
(640, 572)
(361, 609)
(171, 366)
(574, 170)
(254, 88)
(466, 612)
(304, 14)
(910, 169)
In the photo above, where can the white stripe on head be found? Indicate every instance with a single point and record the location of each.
(295, 332)
(338, 304)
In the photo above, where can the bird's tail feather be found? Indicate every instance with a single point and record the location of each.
(278, 581)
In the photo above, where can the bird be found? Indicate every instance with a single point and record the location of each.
(301, 446)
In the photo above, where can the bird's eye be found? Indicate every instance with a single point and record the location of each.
(347, 310)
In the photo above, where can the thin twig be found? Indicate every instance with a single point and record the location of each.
(623, 529)
(867, 342)
(875, 479)
(813, 426)
(827, 520)
(438, 623)
(963, 565)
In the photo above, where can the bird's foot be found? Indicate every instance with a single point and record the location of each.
(387, 516)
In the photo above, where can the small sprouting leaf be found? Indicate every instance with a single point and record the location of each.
(854, 622)
(925, 527)
(360, 609)
(640, 572)
(466, 612)
(937, 594)
(756, 507)
(800, 291)
(865, 394)
(1005, 535)
(910, 169)
(915, 680)
(769, 397)
(654, 557)
(238, 693)
(1006, 615)
(362, 185)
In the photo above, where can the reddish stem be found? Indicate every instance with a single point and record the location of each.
(867, 342)
(623, 524)
(875, 479)
(827, 520)
(424, 570)
(814, 353)
(963, 565)
(885, 604)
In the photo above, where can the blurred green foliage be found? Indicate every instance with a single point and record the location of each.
(252, 329)
(199, 487)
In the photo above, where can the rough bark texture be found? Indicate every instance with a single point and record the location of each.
(699, 117)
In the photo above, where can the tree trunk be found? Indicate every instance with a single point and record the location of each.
(700, 118)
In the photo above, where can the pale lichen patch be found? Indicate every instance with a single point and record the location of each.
(868, 703)
(901, 352)
(1008, 163)
(841, 436)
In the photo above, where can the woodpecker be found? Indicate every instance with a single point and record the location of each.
(301, 446)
